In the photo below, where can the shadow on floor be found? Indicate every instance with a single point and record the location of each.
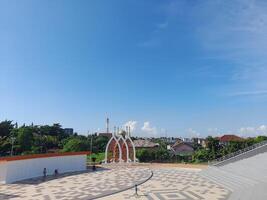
(7, 196)
(39, 180)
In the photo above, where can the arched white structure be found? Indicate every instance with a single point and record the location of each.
(124, 140)
(119, 146)
(126, 145)
(129, 138)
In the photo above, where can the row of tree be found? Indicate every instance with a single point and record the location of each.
(215, 150)
(212, 151)
(42, 139)
(34, 139)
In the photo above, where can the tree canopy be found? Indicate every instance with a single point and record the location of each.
(32, 139)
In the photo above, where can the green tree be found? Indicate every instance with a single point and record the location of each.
(213, 147)
(143, 155)
(75, 145)
(99, 144)
(162, 154)
(25, 139)
(5, 128)
(260, 138)
(5, 146)
(202, 155)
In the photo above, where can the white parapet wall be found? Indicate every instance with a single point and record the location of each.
(18, 168)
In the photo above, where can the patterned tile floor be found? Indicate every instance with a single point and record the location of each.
(175, 184)
(81, 186)
(166, 184)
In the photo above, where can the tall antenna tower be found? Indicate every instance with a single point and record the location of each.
(127, 132)
(107, 125)
(115, 130)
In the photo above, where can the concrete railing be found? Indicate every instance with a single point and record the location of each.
(238, 154)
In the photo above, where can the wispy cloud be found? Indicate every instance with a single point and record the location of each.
(235, 32)
(132, 124)
(253, 131)
(154, 38)
(147, 128)
(248, 131)
(249, 93)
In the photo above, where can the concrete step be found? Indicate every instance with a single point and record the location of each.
(220, 179)
(245, 176)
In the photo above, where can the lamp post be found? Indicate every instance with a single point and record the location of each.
(91, 147)
(92, 159)
(12, 145)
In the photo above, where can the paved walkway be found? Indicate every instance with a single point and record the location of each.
(83, 186)
(175, 184)
(166, 184)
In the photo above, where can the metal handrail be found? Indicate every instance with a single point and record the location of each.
(241, 151)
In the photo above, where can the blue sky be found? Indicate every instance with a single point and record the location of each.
(175, 67)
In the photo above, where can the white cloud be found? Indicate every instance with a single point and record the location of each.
(147, 128)
(192, 133)
(247, 131)
(253, 131)
(263, 129)
(132, 124)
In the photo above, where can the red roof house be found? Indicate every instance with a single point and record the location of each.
(225, 139)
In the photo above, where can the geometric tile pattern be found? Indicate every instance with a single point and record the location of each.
(78, 186)
(176, 184)
(166, 184)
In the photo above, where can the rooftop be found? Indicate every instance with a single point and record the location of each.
(228, 138)
(145, 143)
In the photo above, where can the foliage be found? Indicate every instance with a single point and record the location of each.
(48, 138)
(213, 147)
(45, 138)
(5, 128)
(215, 150)
(99, 157)
(76, 144)
(212, 151)
(30, 139)
(99, 143)
(145, 155)
(25, 139)
(202, 155)
(148, 155)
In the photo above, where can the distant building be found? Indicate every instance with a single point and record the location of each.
(145, 144)
(226, 139)
(169, 140)
(182, 148)
(68, 131)
(186, 139)
(200, 141)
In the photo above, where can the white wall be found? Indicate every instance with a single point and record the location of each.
(2, 172)
(29, 168)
